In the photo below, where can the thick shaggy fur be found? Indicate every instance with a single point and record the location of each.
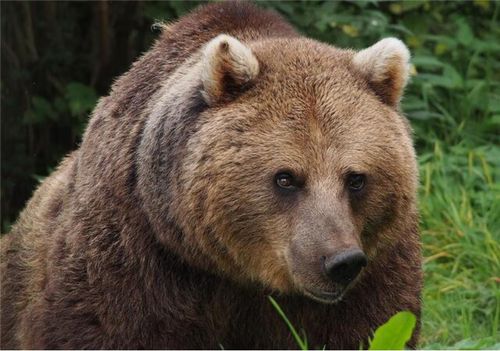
(165, 230)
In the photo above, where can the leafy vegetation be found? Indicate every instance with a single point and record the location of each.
(57, 57)
(395, 333)
(392, 335)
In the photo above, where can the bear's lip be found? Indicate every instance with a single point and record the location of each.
(327, 297)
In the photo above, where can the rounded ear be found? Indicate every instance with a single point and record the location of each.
(385, 65)
(227, 66)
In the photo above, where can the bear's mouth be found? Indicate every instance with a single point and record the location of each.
(324, 296)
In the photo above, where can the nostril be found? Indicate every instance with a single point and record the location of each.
(345, 267)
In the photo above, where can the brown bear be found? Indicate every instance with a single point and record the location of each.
(236, 159)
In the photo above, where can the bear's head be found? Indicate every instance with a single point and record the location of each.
(281, 162)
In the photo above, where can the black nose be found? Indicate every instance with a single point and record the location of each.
(344, 267)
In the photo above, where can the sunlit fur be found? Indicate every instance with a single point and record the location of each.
(225, 55)
(386, 65)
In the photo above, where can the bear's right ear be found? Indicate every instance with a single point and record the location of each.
(227, 66)
(385, 65)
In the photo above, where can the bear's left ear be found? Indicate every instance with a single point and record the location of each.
(228, 65)
(385, 65)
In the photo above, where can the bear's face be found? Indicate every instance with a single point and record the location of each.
(292, 172)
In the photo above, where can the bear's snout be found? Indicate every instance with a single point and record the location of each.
(342, 268)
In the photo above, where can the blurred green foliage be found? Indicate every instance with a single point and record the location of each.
(58, 57)
(392, 335)
(395, 333)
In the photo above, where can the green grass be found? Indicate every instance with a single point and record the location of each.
(458, 144)
(301, 341)
(460, 211)
(454, 107)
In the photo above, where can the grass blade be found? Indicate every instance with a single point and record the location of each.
(302, 343)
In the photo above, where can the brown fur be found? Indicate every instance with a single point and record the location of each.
(164, 230)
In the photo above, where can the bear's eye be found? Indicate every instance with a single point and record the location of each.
(356, 182)
(285, 181)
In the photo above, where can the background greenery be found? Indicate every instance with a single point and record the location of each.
(58, 57)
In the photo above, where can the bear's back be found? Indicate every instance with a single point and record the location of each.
(97, 172)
